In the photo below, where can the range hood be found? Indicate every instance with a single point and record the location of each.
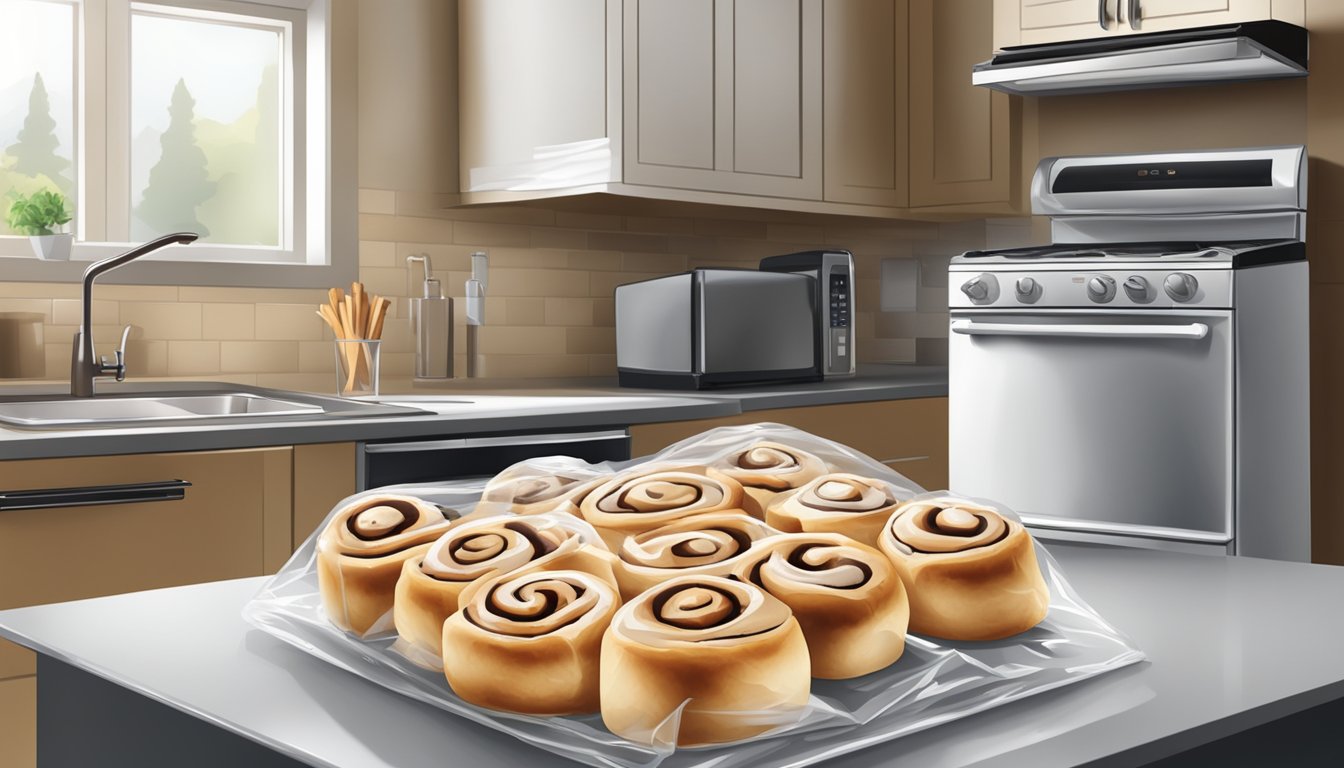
(1258, 50)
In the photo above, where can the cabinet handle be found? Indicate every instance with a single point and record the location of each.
(1101, 13)
(128, 493)
(1134, 12)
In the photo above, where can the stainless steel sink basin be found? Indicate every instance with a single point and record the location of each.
(75, 411)
(46, 411)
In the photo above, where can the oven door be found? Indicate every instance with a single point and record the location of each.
(1097, 422)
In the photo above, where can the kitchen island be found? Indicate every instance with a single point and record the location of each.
(1243, 668)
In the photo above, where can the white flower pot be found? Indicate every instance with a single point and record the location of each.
(52, 247)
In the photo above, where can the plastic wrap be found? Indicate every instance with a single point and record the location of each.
(934, 682)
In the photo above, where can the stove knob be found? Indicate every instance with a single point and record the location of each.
(1028, 290)
(1181, 286)
(1137, 289)
(981, 289)
(1101, 289)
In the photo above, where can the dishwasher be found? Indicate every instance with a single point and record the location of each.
(424, 461)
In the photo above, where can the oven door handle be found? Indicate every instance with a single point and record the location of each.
(1190, 331)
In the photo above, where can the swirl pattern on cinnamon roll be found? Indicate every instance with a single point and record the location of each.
(530, 641)
(846, 596)
(431, 584)
(640, 501)
(360, 555)
(970, 571)
(728, 657)
(857, 507)
(529, 493)
(704, 545)
(766, 470)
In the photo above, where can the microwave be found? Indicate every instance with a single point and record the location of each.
(788, 321)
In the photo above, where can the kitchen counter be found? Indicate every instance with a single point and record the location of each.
(530, 406)
(1233, 643)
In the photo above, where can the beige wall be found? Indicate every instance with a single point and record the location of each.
(554, 265)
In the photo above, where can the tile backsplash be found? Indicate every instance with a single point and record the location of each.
(549, 309)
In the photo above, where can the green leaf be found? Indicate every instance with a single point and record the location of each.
(38, 214)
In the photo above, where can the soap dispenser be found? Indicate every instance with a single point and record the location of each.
(432, 324)
(475, 294)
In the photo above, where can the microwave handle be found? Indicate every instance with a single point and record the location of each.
(1084, 330)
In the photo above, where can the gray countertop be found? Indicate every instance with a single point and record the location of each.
(542, 405)
(1233, 643)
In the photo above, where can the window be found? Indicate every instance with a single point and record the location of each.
(171, 115)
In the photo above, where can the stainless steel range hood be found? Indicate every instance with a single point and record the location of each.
(1258, 50)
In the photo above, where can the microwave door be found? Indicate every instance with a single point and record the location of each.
(757, 326)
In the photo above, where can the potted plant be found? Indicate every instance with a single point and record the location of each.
(39, 216)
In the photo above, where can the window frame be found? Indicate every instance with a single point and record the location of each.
(319, 247)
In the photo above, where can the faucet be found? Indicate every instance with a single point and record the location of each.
(85, 367)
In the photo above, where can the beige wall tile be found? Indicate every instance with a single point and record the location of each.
(523, 310)
(377, 253)
(628, 241)
(569, 311)
(653, 262)
(726, 228)
(228, 321)
(145, 357)
(193, 358)
(253, 295)
(41, 307)
(503, 214)
(69, 311)
(604, 311)
(520, 340)
(40, 290)
(161, 320)
(597, 261)
(318, 356)
(258, 356)
(549, 237)
(661, 225)
(537, 282)
(377, 201)
(601, 365)
(488, 234)
(590, 341)
(591, 221)
(297, 322)
(603, 284)
(137, 292)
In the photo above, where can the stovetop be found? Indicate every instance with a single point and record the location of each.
(1228, 254)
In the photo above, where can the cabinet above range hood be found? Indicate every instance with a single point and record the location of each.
(1259, 50)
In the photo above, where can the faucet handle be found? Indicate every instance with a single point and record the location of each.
(121, 354)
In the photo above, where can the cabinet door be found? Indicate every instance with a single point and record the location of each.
(535, 79)
(1042, 21)
(910, 436)
(865, 69)
(1027, 22)
(1161, 15)
(960, 135)
(724, 95)
(233, 521)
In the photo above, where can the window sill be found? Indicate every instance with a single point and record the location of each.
(164, 269)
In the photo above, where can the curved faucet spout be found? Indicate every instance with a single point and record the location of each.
(84, 368)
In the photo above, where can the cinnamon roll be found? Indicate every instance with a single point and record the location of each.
(530, 641)
(431, 584)
(855, 506)
(765, 470)
(649, 498)
(704, 545)
(703, 660)
(846, 596)
(971, 572)
(360, 555)
(522, 491)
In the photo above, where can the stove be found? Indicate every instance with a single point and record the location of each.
(1143, 379)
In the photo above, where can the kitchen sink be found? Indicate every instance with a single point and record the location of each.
(39, 411)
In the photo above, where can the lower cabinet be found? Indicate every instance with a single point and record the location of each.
(104, 525)
(910, 436)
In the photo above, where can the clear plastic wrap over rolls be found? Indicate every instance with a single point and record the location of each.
(933, 681)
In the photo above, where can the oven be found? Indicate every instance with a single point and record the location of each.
(1143, 379)
(1096, 421)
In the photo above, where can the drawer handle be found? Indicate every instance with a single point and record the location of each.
(128, 493)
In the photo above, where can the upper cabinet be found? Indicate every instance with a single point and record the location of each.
(1024, 22)
(829, 106)
(724, 96)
